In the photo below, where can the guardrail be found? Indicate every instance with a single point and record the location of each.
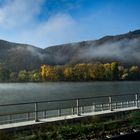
(10, 113)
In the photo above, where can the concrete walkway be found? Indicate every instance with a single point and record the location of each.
(61, 118)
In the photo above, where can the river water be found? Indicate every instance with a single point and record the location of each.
(26, 92)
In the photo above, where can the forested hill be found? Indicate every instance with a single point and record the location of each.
(124, 48)
(19, 56)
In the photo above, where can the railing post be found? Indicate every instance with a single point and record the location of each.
(93, 107)
(82, 109)
(59, 112)
(10, 118)
(101, 107)
(121, 104)
(115, 105)
(45, 113)
(110, 103)
(72, 110)
(28, 116)
(36, 112)
(127, 104)
(77, 105)
(136, 100)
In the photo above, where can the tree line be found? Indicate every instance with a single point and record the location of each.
(79, 72)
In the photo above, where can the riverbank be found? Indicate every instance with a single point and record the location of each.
(76, 72)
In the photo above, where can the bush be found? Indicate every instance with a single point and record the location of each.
(134, 117)
(4, 136)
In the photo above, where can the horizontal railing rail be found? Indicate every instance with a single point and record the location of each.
(61, 100)
(74, 106)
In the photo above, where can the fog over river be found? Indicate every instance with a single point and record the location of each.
(26, 92)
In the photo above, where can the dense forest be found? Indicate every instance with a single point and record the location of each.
(79, 72)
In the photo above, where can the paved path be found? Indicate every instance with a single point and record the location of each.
(61, 118)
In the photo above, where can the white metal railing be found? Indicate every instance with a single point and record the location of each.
(10, 113)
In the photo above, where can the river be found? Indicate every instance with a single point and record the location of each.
(27, 92)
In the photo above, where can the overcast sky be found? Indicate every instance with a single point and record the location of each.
(45, 23)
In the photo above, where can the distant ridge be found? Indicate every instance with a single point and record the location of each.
(124, 48)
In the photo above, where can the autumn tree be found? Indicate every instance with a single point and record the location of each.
(86, 72)
(43, 72)
(115, 71)
(80, 72)
(107, 72)
(68, 73)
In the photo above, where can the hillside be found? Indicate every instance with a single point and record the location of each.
(124, 48)
(20, 56)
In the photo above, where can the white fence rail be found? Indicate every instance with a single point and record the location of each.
(11, 113)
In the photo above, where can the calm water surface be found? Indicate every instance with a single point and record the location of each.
(26, 92)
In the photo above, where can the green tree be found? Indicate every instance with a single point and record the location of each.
(125, 75)
(121, 71)
(34, 76)
(60, 72)
(115, 71)
(4, 74)
(23, 76)
(13, 77)
(134, 73)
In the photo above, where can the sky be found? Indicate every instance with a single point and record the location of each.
(44, 23)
